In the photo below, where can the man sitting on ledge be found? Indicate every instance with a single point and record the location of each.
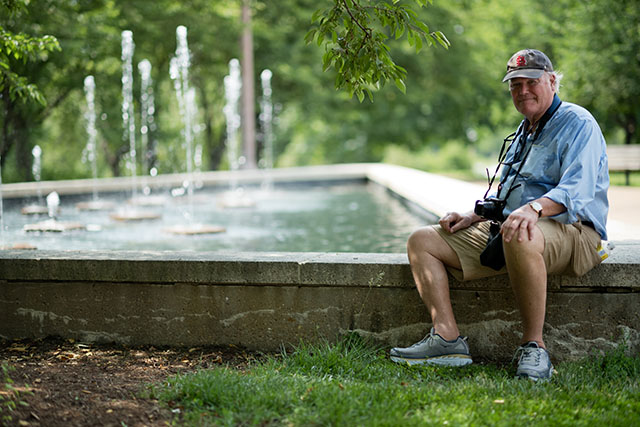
(548, 216)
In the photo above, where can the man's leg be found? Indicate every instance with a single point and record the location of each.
(528, 276)
(428, 255)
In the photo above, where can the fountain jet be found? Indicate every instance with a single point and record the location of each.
(36, 169)
(266, 123)
(52, 224)
(179, 72)
(90, 154)
(235, 198)
(130, 213)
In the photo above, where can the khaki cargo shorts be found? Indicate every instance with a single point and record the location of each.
(568, 249)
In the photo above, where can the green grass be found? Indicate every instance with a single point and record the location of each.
(618, 178)
(352, 383)
(10, 397)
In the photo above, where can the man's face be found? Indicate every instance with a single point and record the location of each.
(532, 97)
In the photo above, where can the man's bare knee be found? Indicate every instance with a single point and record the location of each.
(530, 247)
(427, 242)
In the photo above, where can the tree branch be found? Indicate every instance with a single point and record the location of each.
(367, 31)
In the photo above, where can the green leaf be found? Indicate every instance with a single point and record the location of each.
(370, 94)
(327, 59)
(442, 39)
(400, 85)
(418, 44)
(424, 27)
(316, 15)
(308, 38)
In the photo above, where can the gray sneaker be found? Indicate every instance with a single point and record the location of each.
(533, 362)
(434, 350)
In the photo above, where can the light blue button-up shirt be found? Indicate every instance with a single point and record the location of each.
(567, 164)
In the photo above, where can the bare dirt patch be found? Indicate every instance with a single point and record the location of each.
(56, 382)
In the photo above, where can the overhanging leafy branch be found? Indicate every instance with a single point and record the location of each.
(21, 47)
(354, 35)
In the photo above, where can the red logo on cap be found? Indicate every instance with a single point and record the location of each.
(520, 61)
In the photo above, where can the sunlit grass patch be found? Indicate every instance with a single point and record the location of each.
(354, 383)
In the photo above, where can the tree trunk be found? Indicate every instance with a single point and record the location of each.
(15, 134)
(24, 158)
(248, 91)
(215, 149)
(5, 142)
(629, 129)
(113, 159)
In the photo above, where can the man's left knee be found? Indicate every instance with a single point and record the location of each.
(534, 245)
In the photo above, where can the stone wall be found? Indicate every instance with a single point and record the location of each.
(266, 300)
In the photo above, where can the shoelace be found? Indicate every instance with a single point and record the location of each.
(527, 355)
(423, 340)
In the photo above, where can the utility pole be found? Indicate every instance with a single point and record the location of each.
(248, 89)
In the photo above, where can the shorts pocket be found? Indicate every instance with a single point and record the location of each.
(585, 254)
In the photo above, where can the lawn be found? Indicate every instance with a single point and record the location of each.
(619, 178)
(354, 383)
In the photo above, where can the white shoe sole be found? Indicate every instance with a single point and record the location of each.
(536, 379)
(448, 360)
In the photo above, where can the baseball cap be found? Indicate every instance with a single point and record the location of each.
(527, 63)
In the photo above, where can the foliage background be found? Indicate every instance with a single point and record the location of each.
(452, 117)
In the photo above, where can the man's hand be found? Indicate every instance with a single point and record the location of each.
(453, 221)
(520, 223)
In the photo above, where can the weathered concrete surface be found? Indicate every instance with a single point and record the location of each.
(265, 300)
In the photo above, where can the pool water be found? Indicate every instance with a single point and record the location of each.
(304, 218)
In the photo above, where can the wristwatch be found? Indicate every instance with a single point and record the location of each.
(536, 207)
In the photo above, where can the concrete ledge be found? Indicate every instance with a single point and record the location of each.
(343, 172)
(265, 300)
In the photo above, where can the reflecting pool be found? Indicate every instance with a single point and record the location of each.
(349, 217)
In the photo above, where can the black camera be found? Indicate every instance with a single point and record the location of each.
(490, 208)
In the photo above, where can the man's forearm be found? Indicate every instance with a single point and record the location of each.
(549, 207)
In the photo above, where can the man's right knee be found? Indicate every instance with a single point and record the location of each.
(420, 240)
(427, 241)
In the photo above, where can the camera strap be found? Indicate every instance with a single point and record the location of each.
(521, 140)
(509, 139)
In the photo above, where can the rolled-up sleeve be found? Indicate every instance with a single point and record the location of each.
(579, 170)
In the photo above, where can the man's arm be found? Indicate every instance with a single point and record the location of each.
(581, 156)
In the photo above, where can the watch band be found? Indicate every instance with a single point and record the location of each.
(537, 207)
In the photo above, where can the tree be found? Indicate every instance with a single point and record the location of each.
(17, 52)
(354, 32)
(453, 95)
(20, 48)
(600, 51)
